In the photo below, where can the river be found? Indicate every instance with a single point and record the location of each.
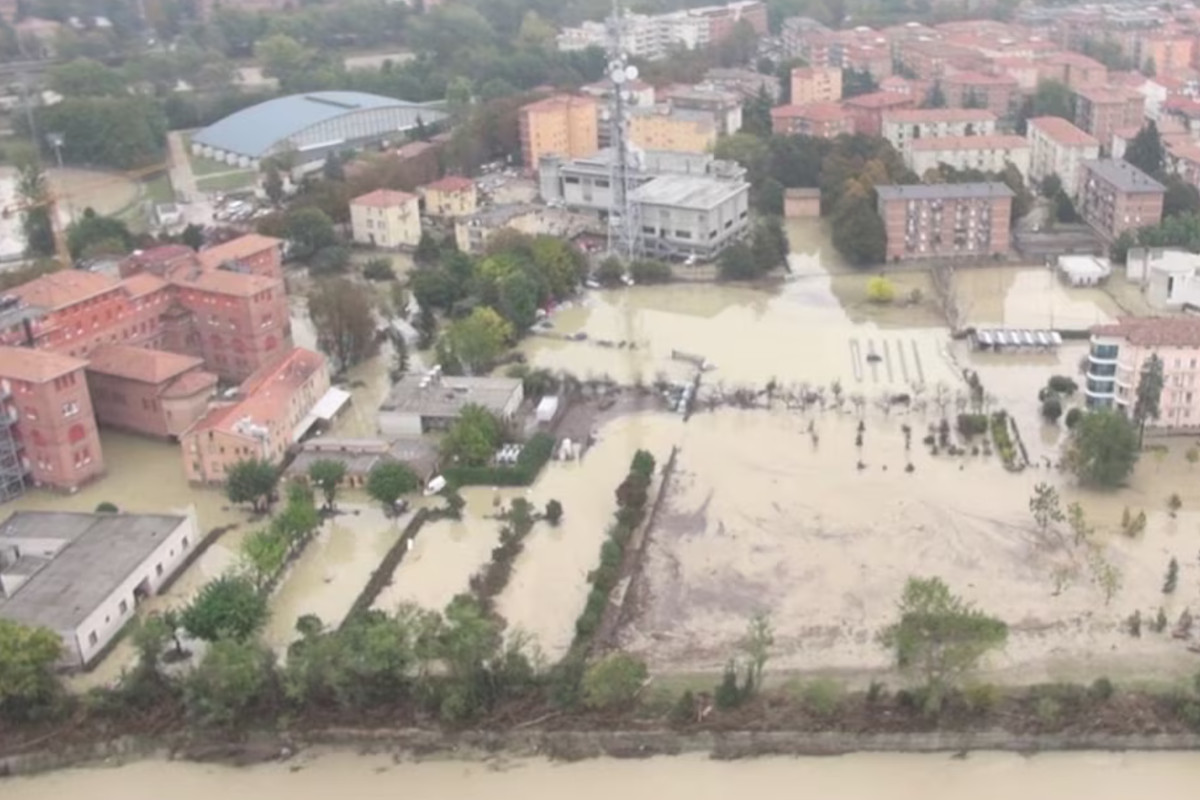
(981, 776)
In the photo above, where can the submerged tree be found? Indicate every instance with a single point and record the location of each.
(327, 475)
(252, 481)
(940, 637)
(1103, 449)
(1147, 406)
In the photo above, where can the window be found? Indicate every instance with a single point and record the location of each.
(124, 607)
(158, 570)
(93, 640)
(185, 539)
(70, 409)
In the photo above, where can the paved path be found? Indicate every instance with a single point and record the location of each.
(182, 178)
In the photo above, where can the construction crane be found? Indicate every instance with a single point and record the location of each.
(50, 200)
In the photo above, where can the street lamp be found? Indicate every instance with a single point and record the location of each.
(55, 140)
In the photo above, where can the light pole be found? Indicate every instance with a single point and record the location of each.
(56, 140)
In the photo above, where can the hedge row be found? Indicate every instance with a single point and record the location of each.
(534, 455)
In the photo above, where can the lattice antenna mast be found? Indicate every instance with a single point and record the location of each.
(624, 231)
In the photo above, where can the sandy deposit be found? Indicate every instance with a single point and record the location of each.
(758, 520)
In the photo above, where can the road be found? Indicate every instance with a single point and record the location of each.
(196, 207)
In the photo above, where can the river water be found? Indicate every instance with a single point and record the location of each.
(981, 776)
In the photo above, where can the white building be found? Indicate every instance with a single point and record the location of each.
(422, 403)
(902, 126)
(82, 575)
(1170, 279)
(986, 153)
(1082, 270)
(1056, 147)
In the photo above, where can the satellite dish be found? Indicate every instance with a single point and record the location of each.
(618, 76)
(631, 72)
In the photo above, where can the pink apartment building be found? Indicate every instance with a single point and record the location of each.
(1118, 353)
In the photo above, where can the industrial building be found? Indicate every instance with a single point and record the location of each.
(82, 575)
(418, 404)
(311, 125)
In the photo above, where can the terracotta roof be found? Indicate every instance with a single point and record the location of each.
(223, 281)
(64, 288)
(919, 115)
(998, 142)
(1063, 132)
(164, 252)
(139, 363)
(267, 393)
(558, 101)
(36, 366)
(1154, 331)
(142, 284)
(980, 79)
(383, 198)
(878, 100)
(1106, 94)
(1073, 59)
(451, 183)
(190, 383)
(1184, 151)
(821, 112)
(235, 249)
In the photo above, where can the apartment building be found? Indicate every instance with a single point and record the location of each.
(955, 220)
(725, 107)
(904, 126)
(151, 392)
(1101, 111)
(1118, 354)
(1056, 147)
(1074, 70)
(564, 125)
(656, 36)
(450, 197)
(665, 128)
(992, 153)
(997, 93)
(267, 418)
(252, 254)
(822, 120)
(931, 59)
(816, 85)
(868, 110)
(1115, 196)
(46, 395)
(386, 218)
(1167, 52)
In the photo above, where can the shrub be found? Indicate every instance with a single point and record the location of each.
(876, 693)
(728, 694)
(822, 697)
(646, 270)
(614, 681)
(1062, 385)
(1073, 417)
(1101, 690)
(106, 508)
(379, 269)
(969, 425)
(684, 709)
(1052, 409)
(554, 512)
(880, 290)
(981, 698)
(534, 455)
(1048, 710)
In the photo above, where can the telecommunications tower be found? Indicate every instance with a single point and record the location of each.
(624, 231)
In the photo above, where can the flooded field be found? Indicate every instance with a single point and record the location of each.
(983, 776)
(332, 570)
(823, 537)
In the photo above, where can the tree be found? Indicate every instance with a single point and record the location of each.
(273, 183)
(85, 77)
(1146, 150)
(756, 113)
(252, 481)
(106, 508)
(35, 215)
(1147, 404)
(856, 82)
(554, 512)
(228, 607)
(478, 339)
(283, 58)
(939, 637)
(737, 263)
(28, 656)
(609, 272)
(1051, 185)
(93, 235)
(308, 230)
(379, 269)
(936, 97)
(1102, 449)
(859, 234)
(263, 554)
(880, 290)
(1181, 198)
(614, 681)
(327, 475)
(150, 637)
(757, 643)
(1045, 507)
(473, 438)
(1052, 408)
(192, 236)
(229, 679)
(389, 480)
(120, 132)
(299, 518)
(342, 315)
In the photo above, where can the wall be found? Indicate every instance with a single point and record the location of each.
(387, 226)
(129, 404)
(63, 446)
(108, 619)
(392, 423)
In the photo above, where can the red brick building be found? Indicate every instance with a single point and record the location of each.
(1075, 70)
(47, 394)
(1115, 196)
(252, 253)
(153, 392)
(868, 110)
(996, 93)
(1101, 111)
(957, 220)
(822, 120)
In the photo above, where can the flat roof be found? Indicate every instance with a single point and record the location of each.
(996, 142)
(445, 396)
(943, 191)
(687, 191)
(1125, 176)
(101, 552)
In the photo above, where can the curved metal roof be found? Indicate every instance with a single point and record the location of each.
(254, 131)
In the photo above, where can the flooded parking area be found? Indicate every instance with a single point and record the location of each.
(823, 536)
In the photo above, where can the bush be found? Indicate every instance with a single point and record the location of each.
(329, 260)
(684, 709)
(614, 681)
(1101, 690)
(645, 271)
(534, 455)
(1052, 409)
(981, 698)
(822, 697)
(379, 269)
(1073, 417)
(880, 290)
(1049, 711)
(106, 508)
(728, 694)
(1062, 385)
(969, 425)
(554, 512)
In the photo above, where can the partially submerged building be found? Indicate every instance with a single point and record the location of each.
(418, 404)
(83, 575)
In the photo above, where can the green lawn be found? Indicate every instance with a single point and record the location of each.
(228, 182)
(158, 189)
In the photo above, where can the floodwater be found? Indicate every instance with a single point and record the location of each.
(981, 776)
(77, 190)
(332, 570)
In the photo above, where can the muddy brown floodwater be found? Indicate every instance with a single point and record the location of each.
(981, 776)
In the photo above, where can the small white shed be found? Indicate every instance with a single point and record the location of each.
(547, 409)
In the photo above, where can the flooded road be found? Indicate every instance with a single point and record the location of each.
(981, 776)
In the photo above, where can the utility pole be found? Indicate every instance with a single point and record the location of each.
(624, 227)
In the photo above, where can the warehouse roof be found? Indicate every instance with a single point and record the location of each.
(101, 551)
(687, 191)
(254, 131)
(445, 396)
